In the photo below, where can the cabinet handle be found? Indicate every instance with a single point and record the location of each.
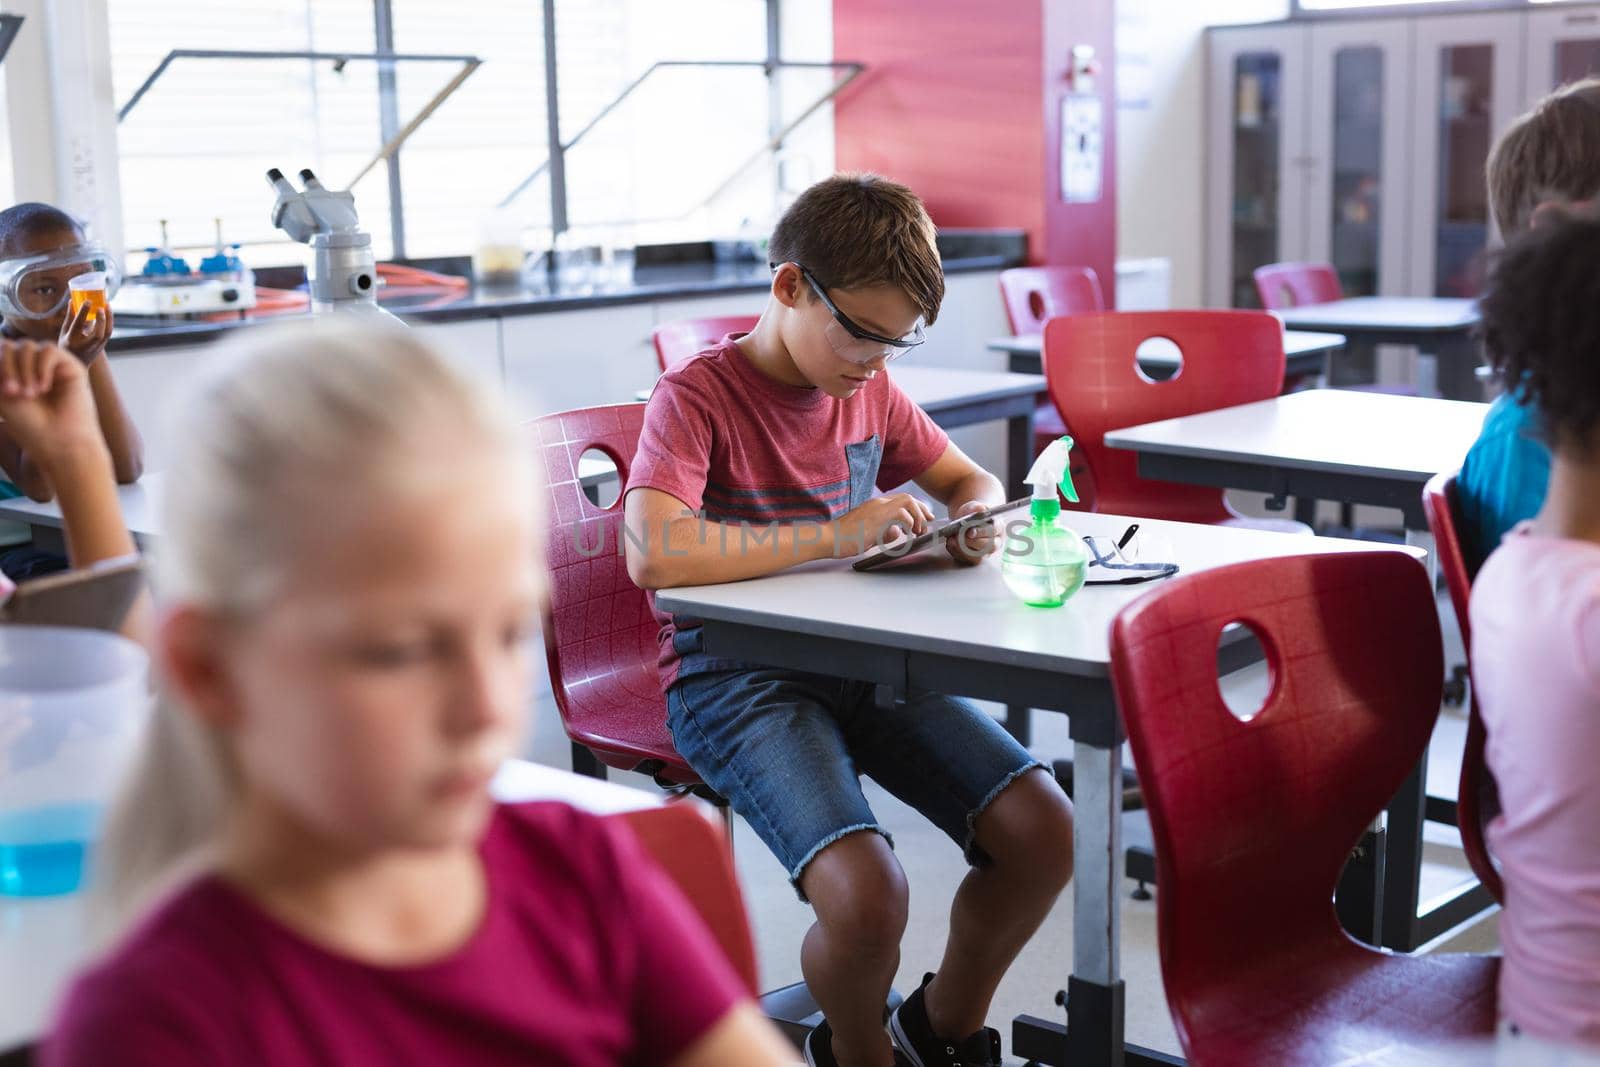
(1581, 20)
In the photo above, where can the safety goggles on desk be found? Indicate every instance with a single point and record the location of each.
(857, 343)
(35, 287)
(1116, 563)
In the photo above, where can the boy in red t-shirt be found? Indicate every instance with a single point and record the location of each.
(796, 426)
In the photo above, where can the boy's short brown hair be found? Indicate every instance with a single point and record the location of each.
(856, 230)
(1551, 153)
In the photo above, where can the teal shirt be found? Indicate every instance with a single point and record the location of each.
(12, 533)
(1504, 477)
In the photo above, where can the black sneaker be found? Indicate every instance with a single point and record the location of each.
(914, 1035)
(819, 1049)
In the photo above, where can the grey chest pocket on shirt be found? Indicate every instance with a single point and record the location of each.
(863, 458)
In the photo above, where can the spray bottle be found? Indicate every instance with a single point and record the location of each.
(1046, 563)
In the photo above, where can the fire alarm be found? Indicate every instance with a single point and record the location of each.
(1082, 68)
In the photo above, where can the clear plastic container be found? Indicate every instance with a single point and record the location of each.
(73, 704)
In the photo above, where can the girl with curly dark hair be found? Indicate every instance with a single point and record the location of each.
(1536, 641)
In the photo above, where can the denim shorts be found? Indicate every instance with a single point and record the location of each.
(787, 750)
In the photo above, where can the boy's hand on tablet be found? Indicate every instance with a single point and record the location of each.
(969, 546)
(877, 521)
(86, 337)
(45, 399)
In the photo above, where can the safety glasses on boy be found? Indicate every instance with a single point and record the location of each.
(857, 343)
(35, 287)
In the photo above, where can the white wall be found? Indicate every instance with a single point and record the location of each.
(1160, 137)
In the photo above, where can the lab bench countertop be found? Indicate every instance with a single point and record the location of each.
(669, 281)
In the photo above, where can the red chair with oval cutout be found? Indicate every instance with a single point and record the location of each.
(599, 632)
(1032, 296)
(1289, 285)
(1477, 797)
(683, 338)
(1254, 820)
(1228, 358)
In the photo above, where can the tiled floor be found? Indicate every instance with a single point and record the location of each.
(933, 867)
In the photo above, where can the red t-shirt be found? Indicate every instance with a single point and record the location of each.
(587, 956)
(720, 435)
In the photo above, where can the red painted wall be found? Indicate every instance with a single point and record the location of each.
(962, 102)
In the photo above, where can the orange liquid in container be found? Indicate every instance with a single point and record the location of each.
(89, 289)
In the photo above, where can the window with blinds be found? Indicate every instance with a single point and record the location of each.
(649, 166)
(196, 147)
(486, 138)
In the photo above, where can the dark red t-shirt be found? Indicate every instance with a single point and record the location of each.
(588, 956)
(720, 435)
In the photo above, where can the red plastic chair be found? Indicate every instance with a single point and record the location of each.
(1289, 285)
(695, 854)
(688, 337)
(1253, 820)
(1477, 796)
(1229, 358)
(599, 633)
(1033, 295)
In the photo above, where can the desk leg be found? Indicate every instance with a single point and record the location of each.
(1095, 990)
(1358, 365)
(1019, 454)
(586, 763)
(1457, 357)
(1403, 863)
(1095, 996)
(1424, 540)
(1019, 723)
(1359, 897)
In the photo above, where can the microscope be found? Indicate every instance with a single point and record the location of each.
(344, 275)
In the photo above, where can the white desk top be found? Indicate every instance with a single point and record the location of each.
(933, 388)
(42, 940)
(1422, 314)
(927, 604)
(1370, 434)
(1295, 343)
(139, 502)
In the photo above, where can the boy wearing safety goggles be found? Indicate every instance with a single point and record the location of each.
(767, 451)
(42, 248)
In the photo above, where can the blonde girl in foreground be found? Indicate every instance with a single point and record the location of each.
(308, 867)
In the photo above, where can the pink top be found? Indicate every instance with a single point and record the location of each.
(587, 956)
(722, 436)
(1536, 665)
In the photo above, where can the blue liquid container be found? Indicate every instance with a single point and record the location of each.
(42, 850)
(73, 704)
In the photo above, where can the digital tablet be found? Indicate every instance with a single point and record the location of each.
(97, 597)
(902, 549)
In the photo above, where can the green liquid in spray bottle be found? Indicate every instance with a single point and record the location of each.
(1046, 563)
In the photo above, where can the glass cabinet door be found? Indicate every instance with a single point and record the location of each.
(1576, 59)
(1257, 147)
(1468, 78)
(1357, 168)
(1464, 134)
(1255, 151)
(1563, 47)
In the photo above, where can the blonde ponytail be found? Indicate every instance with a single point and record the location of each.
(283, 417)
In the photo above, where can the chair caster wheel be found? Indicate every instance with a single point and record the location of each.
(1142, 893)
